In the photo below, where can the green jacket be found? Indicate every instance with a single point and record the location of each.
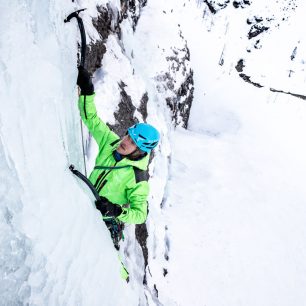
(126, 184)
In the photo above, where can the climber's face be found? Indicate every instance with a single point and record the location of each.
(126, 146)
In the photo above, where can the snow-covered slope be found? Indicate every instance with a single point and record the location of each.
(230, 230)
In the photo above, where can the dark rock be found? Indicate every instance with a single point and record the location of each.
(180, 103)
(165, 272)
(167, 247)
(258, 19)
(236, 4)
(289, 93)
(257, 29)
(155, 291)
(106, 23)
(257, 45)
(186, 91)
(215, 6)
(210, 6)
(293, 55)
(125, 114)
(95, 53)
(247, 79)
(240, 65)
(132, 8)
(241, 3)
(258, 25)
(141, 233)
(143, 106)
(178, 98)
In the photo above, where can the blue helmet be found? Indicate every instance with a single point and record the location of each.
(145, 136)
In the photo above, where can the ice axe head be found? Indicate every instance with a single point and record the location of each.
(74, 14)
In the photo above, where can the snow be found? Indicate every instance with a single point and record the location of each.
(231, 228)
(236, 242)
(227, 215)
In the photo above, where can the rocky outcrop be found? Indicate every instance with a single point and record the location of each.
(178, 97)
(215, 6)
(241, 3)
(141, 233)
(125, 115)
(108, 22)
(303, 97)
(132, 9)
(247, 79)
(258, 26)
(180, 103)
(240, 66)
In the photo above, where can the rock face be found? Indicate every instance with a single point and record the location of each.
(104, 26)
(259, 26)
(108, 22)
(178, 96)
(132, 8)
(215, 6)
(125, 114)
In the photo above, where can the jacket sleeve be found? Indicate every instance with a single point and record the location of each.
(99, 130)
(138, 210)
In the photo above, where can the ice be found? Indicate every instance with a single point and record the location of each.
(15, 246)
(55, 249)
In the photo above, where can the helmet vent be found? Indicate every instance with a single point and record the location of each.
(145, 136)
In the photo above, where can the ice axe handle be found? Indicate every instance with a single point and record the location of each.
(82, 32)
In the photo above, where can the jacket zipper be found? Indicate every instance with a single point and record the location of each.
(103, 177)
(100, 182)
(102, 185)
(85, 107)
(99, 178)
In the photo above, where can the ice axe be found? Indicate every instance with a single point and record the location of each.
(82, 31)
(82, 63)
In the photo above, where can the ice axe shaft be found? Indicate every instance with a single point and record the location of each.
(82, 32)
(82, 62)
(86, 181)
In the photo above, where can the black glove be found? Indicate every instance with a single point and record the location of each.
(108, 209)
(84, 81)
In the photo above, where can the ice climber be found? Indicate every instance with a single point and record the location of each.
(120, 173)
